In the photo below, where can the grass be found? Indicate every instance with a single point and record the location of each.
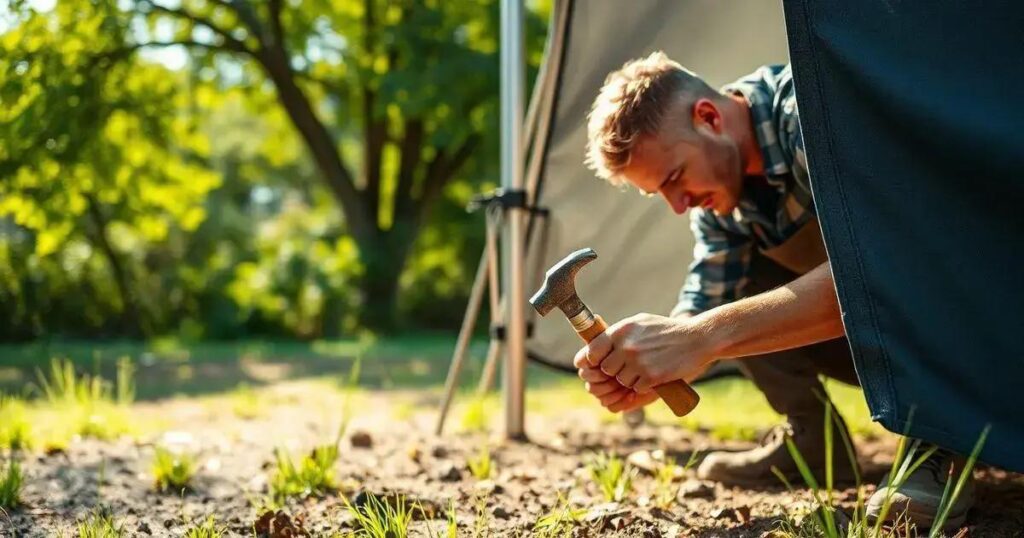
(560, 521)
(611, 475)
(11, 481)
(207, 529)
(482, 465)
(246, 403)
(86, 405)
(665, 490)
(15, 428)
(909, 457)
(99, 525)
(379, 518)
(313, 474)
(172, 470)
(476, 417)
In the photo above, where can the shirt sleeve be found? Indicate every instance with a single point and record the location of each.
(718, 273)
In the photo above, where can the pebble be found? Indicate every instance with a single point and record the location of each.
(361, 439)
(697, 489)
(144, 528)
(500, 512)
(449, 473)
(439, 452)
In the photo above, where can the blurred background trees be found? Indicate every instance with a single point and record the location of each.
(239, 168)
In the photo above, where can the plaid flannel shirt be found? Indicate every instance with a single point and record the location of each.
(771, 209)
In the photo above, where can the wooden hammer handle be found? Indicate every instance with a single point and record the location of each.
(680, 396)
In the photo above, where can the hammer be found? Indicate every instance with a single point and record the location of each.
(559, 290)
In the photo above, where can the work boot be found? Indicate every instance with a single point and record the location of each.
(917, 500)
(753, 468)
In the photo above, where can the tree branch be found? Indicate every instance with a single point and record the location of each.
(440, 170)
(230, 41)
(276, 27)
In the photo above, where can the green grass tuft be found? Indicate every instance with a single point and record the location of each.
(206, 529)
(11, 480)
(246, 403)
(380, 518)
(611, 475)
(172, 470)
(560, 521)
(99, 525)
(15, 429)
(482, 466)
(312, 475)
(88, 405)
(476, 417)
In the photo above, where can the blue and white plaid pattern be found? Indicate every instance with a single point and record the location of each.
(771, 209)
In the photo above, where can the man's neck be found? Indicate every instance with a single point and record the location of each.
(750, 149)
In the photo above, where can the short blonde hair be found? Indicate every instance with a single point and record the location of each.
(630, 105)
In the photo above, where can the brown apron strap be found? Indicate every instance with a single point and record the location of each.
(802, 252)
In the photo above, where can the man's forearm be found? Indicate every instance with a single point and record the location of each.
(803, 312)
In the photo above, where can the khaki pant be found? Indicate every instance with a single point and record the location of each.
(789, 378)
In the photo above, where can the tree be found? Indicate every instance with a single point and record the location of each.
(87, 170)
(392, 99)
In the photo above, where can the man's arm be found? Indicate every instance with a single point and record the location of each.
(645, 350)
(803, 312)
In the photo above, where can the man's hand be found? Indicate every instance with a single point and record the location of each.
(613, 396)
(639, 353)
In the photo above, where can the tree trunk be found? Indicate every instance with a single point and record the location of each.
(131, 315)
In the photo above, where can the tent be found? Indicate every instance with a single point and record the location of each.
(914, 141)
(912, 123)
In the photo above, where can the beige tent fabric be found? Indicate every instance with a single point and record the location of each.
(643, 248)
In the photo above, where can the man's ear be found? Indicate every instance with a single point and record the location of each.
(706, 113)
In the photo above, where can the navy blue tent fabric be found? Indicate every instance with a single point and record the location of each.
(912, 114)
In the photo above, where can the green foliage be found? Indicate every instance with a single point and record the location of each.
(238, 195)
(312, 475)
(87, 404)
(172, 470)
(100, 525)
(15, 430)
(477, 415)
(481, 466)
(11, 480)
(207, 529)
(381, 517)
(611, 475)
(559, 521)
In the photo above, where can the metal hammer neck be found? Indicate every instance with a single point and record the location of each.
(582, 321)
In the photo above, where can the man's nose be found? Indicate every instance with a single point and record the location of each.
(677, 200)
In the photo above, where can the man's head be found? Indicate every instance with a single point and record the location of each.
(659, 127)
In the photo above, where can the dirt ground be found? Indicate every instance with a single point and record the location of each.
(404, 457)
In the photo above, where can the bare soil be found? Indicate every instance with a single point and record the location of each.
(403, 457)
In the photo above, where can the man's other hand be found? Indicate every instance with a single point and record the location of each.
(645, 350)
(612, 395)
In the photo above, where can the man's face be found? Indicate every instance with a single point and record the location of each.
(689, 171)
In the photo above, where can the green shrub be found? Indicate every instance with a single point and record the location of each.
(172, 470)
(11, 480)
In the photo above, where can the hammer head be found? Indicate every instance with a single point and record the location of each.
(559, 289)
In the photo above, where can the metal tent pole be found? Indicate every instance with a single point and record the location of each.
(512, 90)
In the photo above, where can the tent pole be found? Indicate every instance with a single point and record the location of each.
(512, 89)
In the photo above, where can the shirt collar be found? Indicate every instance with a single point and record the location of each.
(759, 90)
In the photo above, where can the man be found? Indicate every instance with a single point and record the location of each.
(760, 286)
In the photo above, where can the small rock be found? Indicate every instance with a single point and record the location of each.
(743, 514)
(488, 486)
(450, 473)
(723, 513)
(144, 528)
(697, 489)
(439, 452)
(642, 459)
(361, 439)
(168, 523)
(415, 454)
(500, 512)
